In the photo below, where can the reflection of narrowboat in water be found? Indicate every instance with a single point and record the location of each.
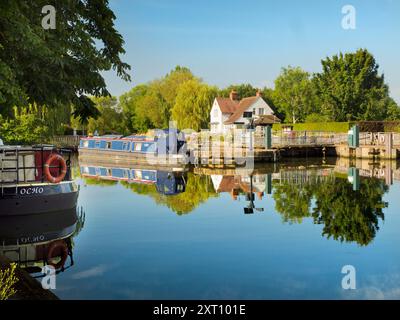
(166, 182)
(165, 147)
(34, 241)
(35, 180)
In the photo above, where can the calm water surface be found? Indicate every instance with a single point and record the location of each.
(308, 222)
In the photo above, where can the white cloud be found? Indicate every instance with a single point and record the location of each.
(90, 273)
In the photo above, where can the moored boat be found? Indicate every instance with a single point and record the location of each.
(164, 148)
(34, 241)
(35, 180)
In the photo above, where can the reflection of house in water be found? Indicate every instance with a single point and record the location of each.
(235, 185)
(33, 241)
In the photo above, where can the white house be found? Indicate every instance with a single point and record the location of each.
(227, 113)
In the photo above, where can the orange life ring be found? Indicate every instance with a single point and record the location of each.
(49, 176)
(60, 244)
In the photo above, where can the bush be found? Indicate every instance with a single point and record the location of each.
(7, 282)
(316, 126)
(25, 128)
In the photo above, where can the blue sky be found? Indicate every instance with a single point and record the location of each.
(228, 42)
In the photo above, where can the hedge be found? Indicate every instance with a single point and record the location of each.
(365, 126)
(316, 126)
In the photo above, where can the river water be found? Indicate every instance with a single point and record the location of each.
(283, 231)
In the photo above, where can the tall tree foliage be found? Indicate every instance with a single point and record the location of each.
(57, 66)
(351, 88)
(110, 119)
(150, 105)
(193, 104)
(294, 94)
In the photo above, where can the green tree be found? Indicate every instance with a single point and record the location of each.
(393, 110)
(135, 116)
(149, 106)
(293, 94)
(242, 90)
(193, 105)
(110, 119)
(169, 85)
(26, 127)
(57, 67)
(350, 88)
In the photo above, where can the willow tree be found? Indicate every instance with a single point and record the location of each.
(193, 104)
(57, 66)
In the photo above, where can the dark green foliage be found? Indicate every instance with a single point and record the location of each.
(351, 88)
(57, 67)
(24, 128)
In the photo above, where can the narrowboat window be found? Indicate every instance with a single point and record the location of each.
(97, 144)
(126, 173)
(108, 145)
(85, 143)
(109, 172)
(138, 147)
(125, 146)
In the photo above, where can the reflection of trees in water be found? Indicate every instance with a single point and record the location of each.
(292, 201)
(347, 215)
(198, 190)
(99, 182)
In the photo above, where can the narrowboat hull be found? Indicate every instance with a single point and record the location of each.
(178, 161)
(38, 198)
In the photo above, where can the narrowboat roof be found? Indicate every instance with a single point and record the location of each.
(119, 137)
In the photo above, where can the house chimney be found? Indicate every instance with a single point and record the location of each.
(258, 93)
(233, 95)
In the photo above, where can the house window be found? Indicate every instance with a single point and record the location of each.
(254, 111)
(260, 111)
(215, 113)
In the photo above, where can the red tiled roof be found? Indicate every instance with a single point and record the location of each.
(227, 105)
(227, 184)
(243, 106)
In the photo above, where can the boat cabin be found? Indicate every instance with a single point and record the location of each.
(163, 142)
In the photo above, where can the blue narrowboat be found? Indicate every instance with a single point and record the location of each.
(165, 146)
